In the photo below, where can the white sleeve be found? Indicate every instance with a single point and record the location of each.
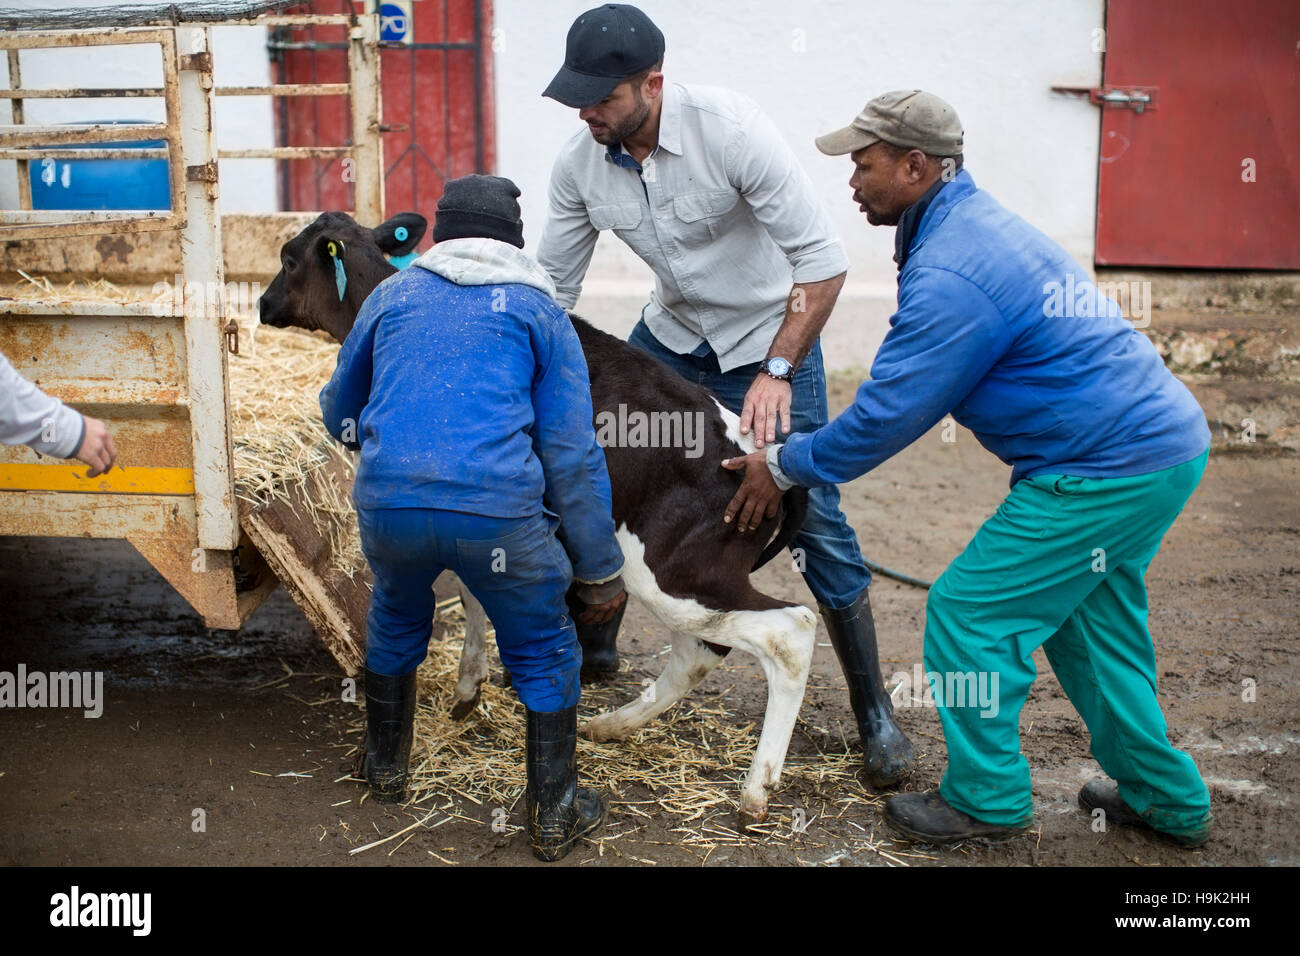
(30, 417)
(568, 238)
(762, 166)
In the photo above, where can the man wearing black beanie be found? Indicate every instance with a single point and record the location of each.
(457, 384)
(479, 207)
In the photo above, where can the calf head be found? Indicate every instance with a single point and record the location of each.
(328, 269)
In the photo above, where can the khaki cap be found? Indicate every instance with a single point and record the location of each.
(912, 119)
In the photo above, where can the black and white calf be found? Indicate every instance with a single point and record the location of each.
(687, 566)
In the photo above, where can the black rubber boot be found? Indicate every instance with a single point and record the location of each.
(599, 642)
(390, 725)
(929, 818)
(1103, 794)
(560, 813)
(886, 752)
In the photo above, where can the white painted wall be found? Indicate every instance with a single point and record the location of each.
(993, 60)
(811, 64)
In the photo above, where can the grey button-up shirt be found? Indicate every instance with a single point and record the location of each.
(722, 213)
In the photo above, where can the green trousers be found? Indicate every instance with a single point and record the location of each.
(1061, 564)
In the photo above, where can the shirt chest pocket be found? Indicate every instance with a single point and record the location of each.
(699, 216)
(619, 216)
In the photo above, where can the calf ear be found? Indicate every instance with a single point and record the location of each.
(400, 234)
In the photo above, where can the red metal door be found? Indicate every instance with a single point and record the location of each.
(1207, 175)
(439, 87)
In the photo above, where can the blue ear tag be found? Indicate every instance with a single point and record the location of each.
(401, 262)
(340, 276)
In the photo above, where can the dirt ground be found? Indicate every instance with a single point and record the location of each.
(189, 725)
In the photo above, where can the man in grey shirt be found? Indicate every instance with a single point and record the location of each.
(702, 186)
(30, 417)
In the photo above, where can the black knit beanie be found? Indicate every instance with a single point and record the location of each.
(479, 207)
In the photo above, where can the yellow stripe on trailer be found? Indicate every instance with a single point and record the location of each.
(122, 481)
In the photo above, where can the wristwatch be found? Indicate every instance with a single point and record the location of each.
(779, 368)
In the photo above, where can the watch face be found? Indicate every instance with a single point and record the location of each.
(778, 366)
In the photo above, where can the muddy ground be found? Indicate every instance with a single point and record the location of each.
(188, 725)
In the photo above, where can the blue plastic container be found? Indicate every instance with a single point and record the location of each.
(101, 183)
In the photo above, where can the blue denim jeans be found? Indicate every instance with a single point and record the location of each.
(833, 564)
(517, 569)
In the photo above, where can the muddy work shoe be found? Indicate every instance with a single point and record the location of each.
(929, 818)
(1103, 794)
(390, 726)
(560, 813)
(887, 755)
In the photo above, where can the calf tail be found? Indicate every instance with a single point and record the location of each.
(795, 508)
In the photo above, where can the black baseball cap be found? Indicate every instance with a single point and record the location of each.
(605, 46)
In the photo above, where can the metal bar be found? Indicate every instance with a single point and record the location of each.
(412, 99)
(88, 307)
(14, 225)
(315, 125)
(289, 89)
(216, 510)
(91, 133)
(367, 144)
(78, 94)
(282, 121)
(478, 87)
(16, 110)
(291, 20)
(62, 152)
(331, 45)
(172, 107)
(112, 36)
(287, 152)
(446, 97)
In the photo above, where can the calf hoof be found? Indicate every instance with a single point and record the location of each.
(462, 707)
(603, 729)
(750, 816)
(595, 730)
(887, 754)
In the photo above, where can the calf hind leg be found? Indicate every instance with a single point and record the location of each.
(689, 663)
(473, 657)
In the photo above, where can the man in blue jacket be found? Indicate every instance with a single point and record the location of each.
(1105, 446)
(464, 386)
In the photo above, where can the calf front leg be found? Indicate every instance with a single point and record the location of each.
(473, 657)
(782, 640)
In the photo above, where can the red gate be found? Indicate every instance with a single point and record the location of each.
(1200, 134)
(437, 105)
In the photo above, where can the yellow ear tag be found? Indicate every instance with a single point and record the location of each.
(340, 276)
